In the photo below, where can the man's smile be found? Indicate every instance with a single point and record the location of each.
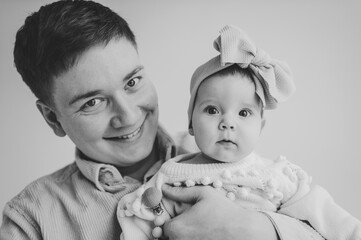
(132, 135)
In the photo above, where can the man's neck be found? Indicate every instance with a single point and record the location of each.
(138, 170)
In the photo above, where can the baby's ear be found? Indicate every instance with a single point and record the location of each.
(51, 118)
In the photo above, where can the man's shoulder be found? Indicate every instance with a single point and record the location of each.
(185, 143)
(43, 188)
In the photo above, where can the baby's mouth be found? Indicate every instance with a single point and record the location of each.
(226, 142)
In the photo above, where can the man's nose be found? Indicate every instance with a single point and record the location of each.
(126, 112)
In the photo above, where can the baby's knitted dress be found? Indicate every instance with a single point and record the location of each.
(253, 182)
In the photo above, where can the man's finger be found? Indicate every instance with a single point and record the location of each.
(181, 194)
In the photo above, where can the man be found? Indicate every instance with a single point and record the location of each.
(80, 60)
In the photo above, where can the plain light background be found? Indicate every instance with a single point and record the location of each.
(318, 128)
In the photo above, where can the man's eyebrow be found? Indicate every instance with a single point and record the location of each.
(95, 92)
(132, 73)
(82, 96)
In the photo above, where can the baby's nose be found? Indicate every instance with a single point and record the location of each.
(224, 125)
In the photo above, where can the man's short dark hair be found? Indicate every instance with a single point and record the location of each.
(52, 39)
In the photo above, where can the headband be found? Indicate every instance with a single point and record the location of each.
(273, 79)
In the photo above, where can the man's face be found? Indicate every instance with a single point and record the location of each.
(107, 106)
(227, 119)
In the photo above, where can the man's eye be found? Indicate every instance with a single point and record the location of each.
(92, 103)
(132, 82)
(244, 113)
(211, 110)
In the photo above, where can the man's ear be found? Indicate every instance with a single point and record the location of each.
(190, 131)
(51, 118)
(263, 123)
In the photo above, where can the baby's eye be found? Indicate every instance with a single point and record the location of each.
(212, 110)
(244, 113)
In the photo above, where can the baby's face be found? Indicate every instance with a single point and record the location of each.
(227, 119)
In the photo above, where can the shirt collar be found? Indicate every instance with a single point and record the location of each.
(106, 177)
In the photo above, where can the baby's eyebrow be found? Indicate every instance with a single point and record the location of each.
(207, 101)
(250, 105)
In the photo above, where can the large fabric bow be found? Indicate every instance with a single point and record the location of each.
(273, 79)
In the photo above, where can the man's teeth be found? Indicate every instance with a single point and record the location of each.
(130, 135)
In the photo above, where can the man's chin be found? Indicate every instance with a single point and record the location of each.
(136, 153)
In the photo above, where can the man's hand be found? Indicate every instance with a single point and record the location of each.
(213, 216)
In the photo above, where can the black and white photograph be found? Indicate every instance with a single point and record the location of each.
(165, 119)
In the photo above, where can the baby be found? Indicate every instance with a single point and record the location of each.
(228, 96)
